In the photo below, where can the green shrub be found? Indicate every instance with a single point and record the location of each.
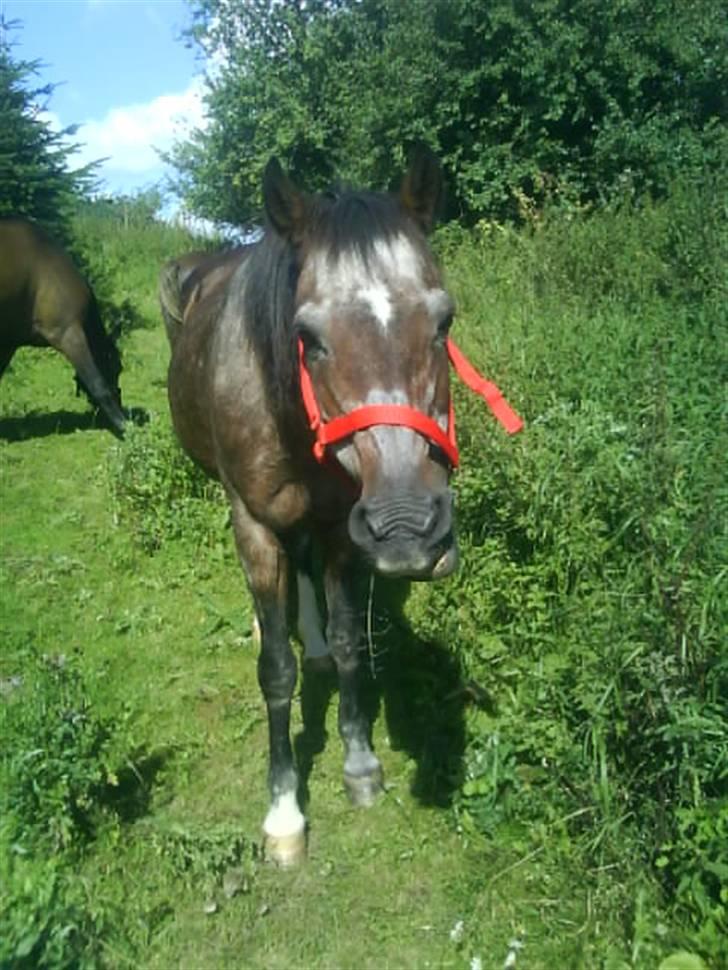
(45, 919)
(57, 752)
(159, 494)
(123, 248)
(206, 855)
(55, 781)
(590, 606)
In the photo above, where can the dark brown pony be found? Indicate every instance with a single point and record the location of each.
(45, 302)
(348, 282)
(187, 280)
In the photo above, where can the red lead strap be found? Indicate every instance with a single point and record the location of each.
(502, 411)
(329, 432)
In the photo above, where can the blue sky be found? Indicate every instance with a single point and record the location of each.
(123, 74)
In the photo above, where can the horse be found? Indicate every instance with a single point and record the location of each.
(186, 280)
(46, 302)
(312, 379)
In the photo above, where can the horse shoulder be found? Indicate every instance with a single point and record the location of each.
(251, 451)
(61, 295)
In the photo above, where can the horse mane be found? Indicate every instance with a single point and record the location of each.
(339, 221)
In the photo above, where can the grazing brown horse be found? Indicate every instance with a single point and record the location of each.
(45, 302)
(312, 379)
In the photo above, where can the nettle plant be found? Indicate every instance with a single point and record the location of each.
(159, 494)
(57, 765)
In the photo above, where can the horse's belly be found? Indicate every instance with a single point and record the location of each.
(189, 401)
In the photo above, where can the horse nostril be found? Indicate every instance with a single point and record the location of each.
(404, 515)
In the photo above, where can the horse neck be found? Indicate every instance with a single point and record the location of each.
(102, 347)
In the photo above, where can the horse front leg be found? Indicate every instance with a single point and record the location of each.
(266, 566)
(362, 770)
(74, 347)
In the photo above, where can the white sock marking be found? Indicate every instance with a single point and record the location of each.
(284, 817)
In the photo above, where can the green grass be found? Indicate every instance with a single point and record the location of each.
(548, 721)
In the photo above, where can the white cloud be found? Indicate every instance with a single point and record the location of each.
(131, 136)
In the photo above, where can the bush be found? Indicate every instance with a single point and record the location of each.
(54, 792)
(589, 607)
(45, 919)
(56, 764)
(123, 248)
(159, 494)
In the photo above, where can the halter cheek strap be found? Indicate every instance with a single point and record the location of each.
(370, 415)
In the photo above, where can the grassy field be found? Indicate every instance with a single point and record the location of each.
(527, 712)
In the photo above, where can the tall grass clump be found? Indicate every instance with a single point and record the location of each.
(591, 607)
(159, 494)
(56, 785)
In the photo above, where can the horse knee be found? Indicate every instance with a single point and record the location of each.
(277, 674)
(345, 650)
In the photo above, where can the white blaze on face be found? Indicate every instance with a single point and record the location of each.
(376, 297)
(393, 273)
(393, 265)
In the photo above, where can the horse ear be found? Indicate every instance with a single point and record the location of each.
(285, 205)
(421, 187)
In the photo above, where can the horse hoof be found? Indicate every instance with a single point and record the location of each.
(364, 789)
(285, 851)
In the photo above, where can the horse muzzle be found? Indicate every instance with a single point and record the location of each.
(407, 534)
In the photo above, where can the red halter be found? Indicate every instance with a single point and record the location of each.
(328, 432)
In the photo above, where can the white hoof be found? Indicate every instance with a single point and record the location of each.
(285, 850)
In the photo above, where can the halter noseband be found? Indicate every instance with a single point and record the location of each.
(369, 415)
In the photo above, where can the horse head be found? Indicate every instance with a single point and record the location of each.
(371, 320)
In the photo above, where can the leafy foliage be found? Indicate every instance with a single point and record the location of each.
(122, 242)
(58, 762)
(591, 607)
(160, 494)
(45, 919)
(35, 178)
(571, 101)
(54, 785)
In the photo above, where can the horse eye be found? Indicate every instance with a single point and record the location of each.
(443, 329)
(313, 344)
(437, 454)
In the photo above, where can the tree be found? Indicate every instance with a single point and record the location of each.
(35, 178)
(577, 99)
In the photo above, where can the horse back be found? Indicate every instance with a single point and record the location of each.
(191, 279)
(193, 294)
(41, 291)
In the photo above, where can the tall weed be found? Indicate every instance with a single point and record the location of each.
(56, 787)
(591, 603)
(159, 494)
(56, 763)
